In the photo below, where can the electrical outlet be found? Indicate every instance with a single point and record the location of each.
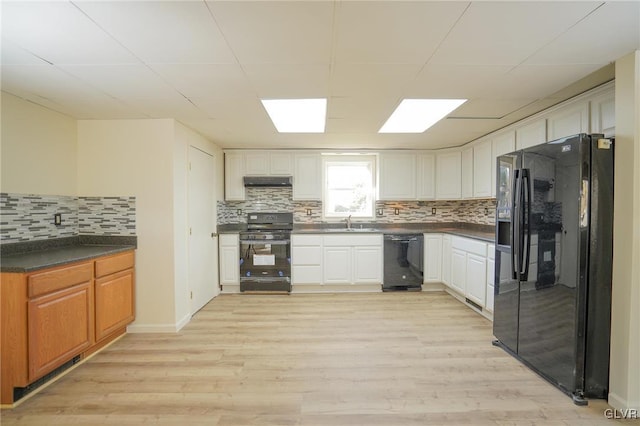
(57, 219)
(308, 212)
(396, 211)
(380, 212)
(239, 212)
(433, 211)
(486, 211)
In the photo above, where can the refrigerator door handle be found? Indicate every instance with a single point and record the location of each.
(526, 219)
(515, 231)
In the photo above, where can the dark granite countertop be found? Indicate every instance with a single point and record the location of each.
(469, 230)
(34, 255)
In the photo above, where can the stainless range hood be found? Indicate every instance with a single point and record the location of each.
(267, 181)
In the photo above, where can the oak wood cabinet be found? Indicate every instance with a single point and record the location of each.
(51, 316)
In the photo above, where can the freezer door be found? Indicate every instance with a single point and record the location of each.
(551, 321)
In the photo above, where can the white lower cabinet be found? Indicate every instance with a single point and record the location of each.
(469, 269)
(491, 273)
(446, 259)
(229, 260)
(476, 288)
(458, 270)
(341, 259)
(432, 258)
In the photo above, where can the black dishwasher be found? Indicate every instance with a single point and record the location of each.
(403, 262)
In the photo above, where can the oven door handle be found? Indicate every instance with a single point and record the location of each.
(260, 242)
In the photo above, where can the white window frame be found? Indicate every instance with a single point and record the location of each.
(330, 159)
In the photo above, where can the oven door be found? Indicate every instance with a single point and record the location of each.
(265, 265)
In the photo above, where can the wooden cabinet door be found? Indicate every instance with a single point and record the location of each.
(426, 177)
(256, 163)
(482, 170)
(367, 265)
(466, 173)
(476, 281)
(280, 163)
(114, 302)
(233, 174)
(448, 176)
(397, 176)
(307, 177)
(60, 326)
(433, 253)
(229, 259)
(458, 271)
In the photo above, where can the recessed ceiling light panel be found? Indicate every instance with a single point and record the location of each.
(417, 115)
(297, 115)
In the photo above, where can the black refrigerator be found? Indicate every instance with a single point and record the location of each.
(554, 226)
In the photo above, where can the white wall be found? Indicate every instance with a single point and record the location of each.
(136, 157)
(624, 379)
(38, 149)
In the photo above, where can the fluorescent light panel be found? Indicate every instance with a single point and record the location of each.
(417, 115)
(297, 115)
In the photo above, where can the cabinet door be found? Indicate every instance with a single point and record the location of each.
(433, 254)
(426, 177)
(233, 174)
(476, 282)
(60, 326)
(490, 284)
(448, 177)
(567, 121)
(446, 259)
(482, 169)
(458, 271)
(114, 302)
(307, 177)
(280, 163)
(336, 265)
(397, 176)
(229, 259)
(367, 265)
(256, 163)
(502, 144)
(466, 158)
(531, 134)
(603, 114)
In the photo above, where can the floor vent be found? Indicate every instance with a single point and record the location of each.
(19, 393)
(474, 304)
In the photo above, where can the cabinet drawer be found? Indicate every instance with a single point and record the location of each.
(114, 264)
(306, 240)
(47, 282)
(470, 246)
(348, 240)
(491, 251)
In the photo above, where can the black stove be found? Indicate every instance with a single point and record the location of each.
(265, 253)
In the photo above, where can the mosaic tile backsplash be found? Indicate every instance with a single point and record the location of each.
(308, 212)
(28, 217)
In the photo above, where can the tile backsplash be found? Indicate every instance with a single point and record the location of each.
(307, 212)
(29, 217)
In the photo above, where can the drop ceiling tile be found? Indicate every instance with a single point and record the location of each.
(609, 33)
(289, 80)
(176, 107)
(237, 113)
(205, 80)
(506, 33)
(163, 31)
(392, 32)
(100, 107)
(129, 81)
(276, 32)
(13, 54)
(489, 108)
(456, 81)
(59, 33)
(389, 80)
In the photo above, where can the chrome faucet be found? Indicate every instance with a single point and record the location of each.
(348, 220)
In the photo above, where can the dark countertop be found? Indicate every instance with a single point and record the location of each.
(480, 232)
(32, 256)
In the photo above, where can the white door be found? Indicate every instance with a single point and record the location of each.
(203, 274)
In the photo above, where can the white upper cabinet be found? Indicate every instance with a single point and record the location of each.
(533, 133)
(268, 163)
(568, 120)
(466, 173)
(307, 177)
(426, 176)
(603, 113)
(397, 176)
(503, 143)
(482, 170)
(233, 173)
(448, 176)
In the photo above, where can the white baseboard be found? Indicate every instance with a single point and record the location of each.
(433, 287)
(336, 288)
(184, 321)
(153, 328)
(620, 403)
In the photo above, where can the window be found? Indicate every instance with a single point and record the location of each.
(349, 186)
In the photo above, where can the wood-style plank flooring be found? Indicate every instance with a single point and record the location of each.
(339, 359)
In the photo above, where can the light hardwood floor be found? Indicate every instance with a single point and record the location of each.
(340, 359)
